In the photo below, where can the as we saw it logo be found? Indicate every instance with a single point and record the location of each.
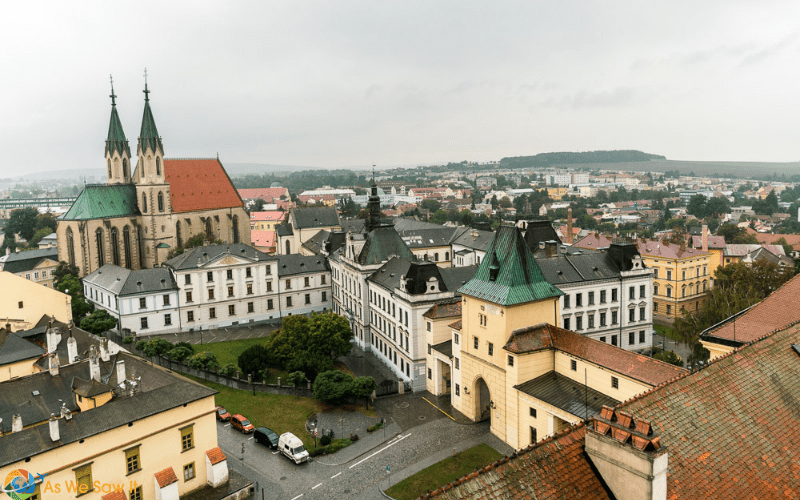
(21, 484)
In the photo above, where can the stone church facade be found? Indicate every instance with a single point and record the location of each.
(141, 215)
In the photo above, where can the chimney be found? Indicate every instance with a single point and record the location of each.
(53, 364)
(104, 350)
(94, 364)
(120, 371)
(705, 237)
(569, 226)
(628, 456)
(53, 338)
(8, 250)
(550, 248)
(65, 413)
(72, 348)
(54, 434)
(16, 423)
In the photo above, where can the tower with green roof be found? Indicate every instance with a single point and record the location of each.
(118, 152)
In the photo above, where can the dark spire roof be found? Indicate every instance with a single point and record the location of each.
(374, 205)
(149, 134)
(116, 136)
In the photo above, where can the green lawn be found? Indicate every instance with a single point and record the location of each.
(666, 331)
(228, 352)
(443, 472)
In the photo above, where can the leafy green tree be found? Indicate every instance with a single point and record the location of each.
(157, 347)
(46, 221)
(22, 221)
(362, 387)
(296, 378)
(253, 359)
(65, 279)
(229, 370)
(98, 322)
(466, 217)
(257, 206)
(180, 353)
(430, 204)
(333, 387)
(669, 357)
(203, 361)
(697, 206)
(717, 206)
(505, 202)
(440, 217)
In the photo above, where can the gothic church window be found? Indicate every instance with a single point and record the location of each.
(126, 243)
(70, 247)
(115, 246)
(178, 233)
(158, 165)
(98, 235)
(236, 229)
(160, 201)
(124, 168)
(144, 203)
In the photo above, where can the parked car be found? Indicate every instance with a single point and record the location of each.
(291, 446)
(241, 424)
(267, 437)
(222, 414)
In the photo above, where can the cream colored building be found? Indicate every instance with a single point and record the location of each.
(24, 302)
(34, 265)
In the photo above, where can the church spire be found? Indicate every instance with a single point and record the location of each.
(374, 204)
(148, 137)
(116, 141)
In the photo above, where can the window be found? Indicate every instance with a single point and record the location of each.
(613, 317)
(641, 336)
(248, 273)
(323, 280)
(602, 319)
(269, 286)
(510, 360)
(190, 316)
(565, 322)
(532, 412)
(669, 292)
(491, 349)
(269, 270)
(167, 319)
(669, 309)
(144, 323)
(641, 292)
(602, 296)
(578, 300)
(211, 293)
(212, 312)
(591, 321)
(579, 322)
(655, 289)
(249, 289)
(83, 479)
(457, 364)
(573, 365)
(288, 302)
(683, 274)
(602, 339)
(269, 304)
(566, 301)
(187, 438)
(483, 319)
(655, 306)
(533, 435)
(231, 310)
(631, 338)
(458, 390)
(429, 348)
(132, 463)
(229, 274)
(655, 272)
(187, 279)
(136, 493)
(210, 276)
(615, 382)
(632, 293)
(631, 315)
(591, 298)
(430, 374)
(230, 291)
(613, 295)
(669, 274)
(324, 296)
(641, 314)
(166, 300)
(142, 303)
(188, 296)
(308, 298)
(475, 342)
(288, 284)
(455, 338)
(306, 281)
(188, 471)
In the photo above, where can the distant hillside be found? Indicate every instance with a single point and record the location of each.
(734, 169)
(574, 158)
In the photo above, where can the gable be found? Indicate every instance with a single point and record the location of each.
(227, 261)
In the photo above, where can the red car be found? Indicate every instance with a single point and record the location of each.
(222, 414)
(241, 424)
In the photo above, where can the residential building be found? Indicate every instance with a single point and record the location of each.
(25, 302)
(144, 301)
(431, 244)
(49, 241)
(485, 181)
(304, 284)
(302, 224)
(264, 241)
(469, 248)
(266, 221)
(34, 265)
(518, 368)
(140, 214)
(709, 243)
(398, 295)
(439, 359)
(269, 195)
(224, 285)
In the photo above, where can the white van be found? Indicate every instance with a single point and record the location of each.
(291, 446)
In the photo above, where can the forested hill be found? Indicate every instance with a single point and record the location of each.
(571, 158)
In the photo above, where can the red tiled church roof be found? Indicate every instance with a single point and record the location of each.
(199, 184)
(166, 477)
(636, 366)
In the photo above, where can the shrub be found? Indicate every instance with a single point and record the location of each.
(98, 322)
(229, 370)
(373, 428)
(203, 361)
(140, 345)
(128, 340)
(180, 353)
(157, 347)
(333, 387)
(186, 345)
(253, 359)
(325, 440)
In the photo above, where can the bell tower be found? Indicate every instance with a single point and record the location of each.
(118, 152)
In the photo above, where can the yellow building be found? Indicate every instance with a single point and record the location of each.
(514, 365)
(111, 427)
(34, 265)
(24, 302)
(681, 277)
(557, 193)
(440, 345)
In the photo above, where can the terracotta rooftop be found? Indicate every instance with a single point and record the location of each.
(593, 240)
(636, 366)
(456, 325)
(215, 455)
(716, 242)
(792, 239)
(556, 468)
(444, 310)
(199, 184)
(166, 477)
(266, 194)
(115, 495)
(776, 312)
(659, 249)
(262, 238)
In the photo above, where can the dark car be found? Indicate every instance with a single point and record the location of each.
(222, 414)
(267, 437)
(241, 424)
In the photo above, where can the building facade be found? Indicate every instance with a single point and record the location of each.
(304, 284)
(34, 265)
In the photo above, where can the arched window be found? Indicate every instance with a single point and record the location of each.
(109, 169)
(160, 201)
(70, 247)
(158, 165)
(141, 162)
(236, 229)
(436, 256)
(126, 244)
(101, 255)
(125, 169)
(144, 203)
(289, 248)
(447, 256)
(115, 246)
(178, 233)
(209, 231)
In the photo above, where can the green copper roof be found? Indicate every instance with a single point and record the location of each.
(149, 134)
(518, 278)
(100, 201)
(383, 243)
(116, 137)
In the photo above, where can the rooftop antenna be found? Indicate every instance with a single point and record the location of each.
(146, 92)
(112, 96)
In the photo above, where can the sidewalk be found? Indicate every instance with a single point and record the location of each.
(366, 443)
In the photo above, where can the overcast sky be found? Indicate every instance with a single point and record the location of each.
(336, 84)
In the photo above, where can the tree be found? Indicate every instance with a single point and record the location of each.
(180, 353)
(440, 217)
(98, 322)
(430, 204)
(22, 221)
(66, 280)
(157, 347)
(46, 221)
(362, 387)
(697, 206)
(787, 248)
(465, 217)
(669, 357)
(258, 205)
(494, 201)
(296, 378)
(203, 361)
(253, 359)
(333, 387)
(505, 202)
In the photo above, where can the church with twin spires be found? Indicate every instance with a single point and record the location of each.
(142, 214)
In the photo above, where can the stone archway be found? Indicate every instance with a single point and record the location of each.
(483, 399)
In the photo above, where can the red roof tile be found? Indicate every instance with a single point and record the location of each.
(270, 215)
(199, 184)
(215, 455)
(266, 194)
(262, 238)
(661, 250)
(456, 325)
(166, 477)
(792, 239)
(115, 495)
(593, 240)
(444, 310)
(776, 312)
(636, 366)
(716, 242)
